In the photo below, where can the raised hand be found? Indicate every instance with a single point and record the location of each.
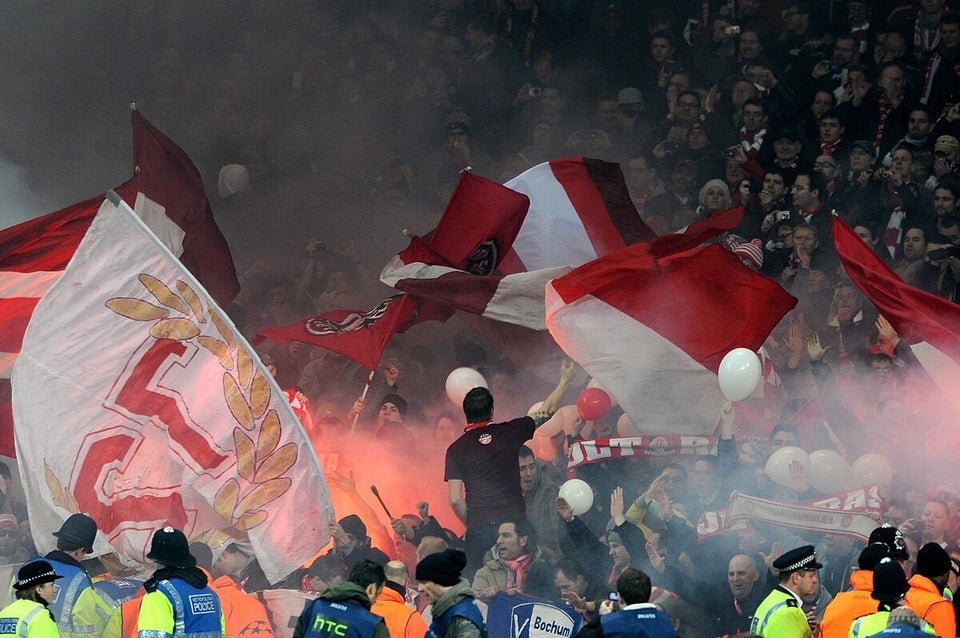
(814, 350)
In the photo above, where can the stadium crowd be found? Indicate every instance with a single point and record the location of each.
(793, 110)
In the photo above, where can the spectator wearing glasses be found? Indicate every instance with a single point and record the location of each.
(12, 552)
(828, 168)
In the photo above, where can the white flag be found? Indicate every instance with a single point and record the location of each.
(138, 403)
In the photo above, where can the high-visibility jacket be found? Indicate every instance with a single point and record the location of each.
(849, 605)
(27, 619)
(241, 611)
(79, 610)
(402, 621)
(874, 623)
(925, 599)
(176, 609)
(780, 616)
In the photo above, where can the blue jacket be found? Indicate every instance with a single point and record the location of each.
(177, 609)
(639, 621)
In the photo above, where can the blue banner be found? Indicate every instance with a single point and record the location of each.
(528, 617)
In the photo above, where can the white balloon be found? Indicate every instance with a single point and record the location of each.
(873, 468)
(790, 467)
(461, 381)
(578, 494)
(739, 374)
(829, 472)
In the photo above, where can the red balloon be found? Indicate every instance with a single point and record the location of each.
(593, 404)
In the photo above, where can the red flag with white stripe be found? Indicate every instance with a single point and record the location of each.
(930, 324)
(653, 329)
(579, 209)
(166, 192)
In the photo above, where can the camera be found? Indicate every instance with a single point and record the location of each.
(534, 91)
(833, 68)
(613, 596)
(944, 253)
(781, 215)
(731, 153)
(732, 30)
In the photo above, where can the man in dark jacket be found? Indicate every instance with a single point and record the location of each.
(455, 614)
(352, 544)
(344, 610)
(636, 615)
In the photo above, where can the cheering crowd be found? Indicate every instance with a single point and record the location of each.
(367, 114)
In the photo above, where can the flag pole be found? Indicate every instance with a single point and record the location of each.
(363, 395)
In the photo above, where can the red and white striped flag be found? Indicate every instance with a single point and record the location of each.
(166, 191)
(579, 209)
(653, 329)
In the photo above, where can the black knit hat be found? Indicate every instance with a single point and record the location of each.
(871, 555)
(352, 525)
(889, 582)
(79, 531)
(933, 561)
(37, 572)
(170, 547)
(396, 400)
(443, 568)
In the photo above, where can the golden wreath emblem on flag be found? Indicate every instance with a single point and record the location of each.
(261, 462)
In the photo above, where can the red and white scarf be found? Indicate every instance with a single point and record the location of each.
(517, 570)
(751, 142)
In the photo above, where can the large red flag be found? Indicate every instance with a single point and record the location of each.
(478, 225)
(930, 324)
(167, 193)
(653, 329)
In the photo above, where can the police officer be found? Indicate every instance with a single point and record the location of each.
(178, 603)
(780, 615)
(28, 616)
(78, 608)
(343, 610)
